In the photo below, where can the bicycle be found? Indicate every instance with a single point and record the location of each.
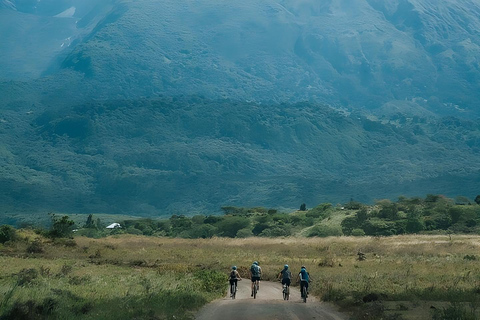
(286, 292)
(233, 290)
(255, 289)
(304, 294)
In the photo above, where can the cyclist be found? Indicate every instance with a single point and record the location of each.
(233, 278)
(255, 273)
(285, 275)
(304, 278)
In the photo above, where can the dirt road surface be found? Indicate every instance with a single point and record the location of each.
(269, 305)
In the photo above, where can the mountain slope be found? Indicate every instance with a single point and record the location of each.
(365, 53)
(188, 155)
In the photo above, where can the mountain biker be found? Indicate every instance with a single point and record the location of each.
(286, 275)
(255, 273)
(304, 278)
(233, 278)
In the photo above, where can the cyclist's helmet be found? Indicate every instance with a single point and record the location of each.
(234, 267)
(303, 267)
(285, 266)
(255, 262)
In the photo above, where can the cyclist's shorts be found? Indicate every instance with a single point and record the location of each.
(286, 281)
(255, 279)
(232, 281)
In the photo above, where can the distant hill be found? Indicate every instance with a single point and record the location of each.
(353, 54)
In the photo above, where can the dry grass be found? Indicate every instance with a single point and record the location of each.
(400, 268)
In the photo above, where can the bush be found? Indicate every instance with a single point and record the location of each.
(26, 276)
(324, 231)
(35, 247)
(276, 231)
(358, 233)
(7, 233)
(211, 281)
(244, 233)
(61, 228)
(230, 226)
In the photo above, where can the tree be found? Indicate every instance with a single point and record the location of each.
(348, 224)
(61, 228)
(303, 207)
(477, 199)
(7, 233)
(90, 223)
(229, 227)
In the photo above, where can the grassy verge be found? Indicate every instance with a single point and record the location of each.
(138, 277)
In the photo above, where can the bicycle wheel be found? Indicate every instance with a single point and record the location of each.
(255, 288)
(288, 292)
(304, 294)
(234, 291)
(284, 292)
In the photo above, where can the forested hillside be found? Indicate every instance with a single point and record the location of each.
(186, 155)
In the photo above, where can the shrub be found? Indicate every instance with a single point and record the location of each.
(61, 228)
(230, 226)
(7, 233)
(203, 231)
(31, 310)
(454, 312)
(358, 232)
(211, 280)
(276, 231)
(26, 276)
(36, 246)
(324, 231)
(244, 233)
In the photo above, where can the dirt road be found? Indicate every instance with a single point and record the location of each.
(269, 305)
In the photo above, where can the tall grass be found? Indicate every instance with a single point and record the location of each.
(125, 277)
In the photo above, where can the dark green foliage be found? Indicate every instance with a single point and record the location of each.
(415, 223)
(7, 233)
(259, 227)
(26, 276)
(353, 205)
(36, 246)
(229, 227)
(477, 199)
(31, 310)
(61, 227)
(303, 207)
(379, 227)
(455, 311)
(203, 231)
(324, 231)
(276, 231)
(350, 223)
(180, 223)
(388, 210)
(320, 211)
(211, 280)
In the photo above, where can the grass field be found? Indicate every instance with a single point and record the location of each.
(137, 277)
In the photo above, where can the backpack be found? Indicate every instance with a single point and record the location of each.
(286, 274)
(233, 275)
(304, 275)
(255, 270)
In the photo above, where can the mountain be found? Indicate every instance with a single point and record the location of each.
(154, 107)
(354, 54)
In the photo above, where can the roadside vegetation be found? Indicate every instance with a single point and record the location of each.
(434, 214)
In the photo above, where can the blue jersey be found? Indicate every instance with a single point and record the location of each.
(304, 275)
